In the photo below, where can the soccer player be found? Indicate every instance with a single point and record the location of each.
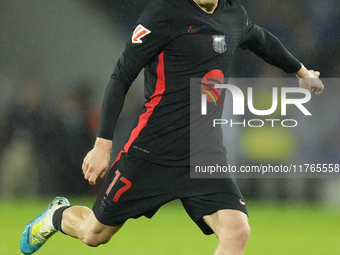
(175, 40)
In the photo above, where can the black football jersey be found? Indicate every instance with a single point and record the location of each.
(175, 41)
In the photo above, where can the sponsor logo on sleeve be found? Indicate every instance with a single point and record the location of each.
(139, 33)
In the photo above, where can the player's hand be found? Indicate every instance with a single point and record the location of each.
(309, 79)
(96, 162)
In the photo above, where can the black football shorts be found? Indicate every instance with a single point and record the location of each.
(135, 187)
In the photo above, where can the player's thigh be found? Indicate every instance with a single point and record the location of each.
(228, 221)
(133, 188)
(210, 197)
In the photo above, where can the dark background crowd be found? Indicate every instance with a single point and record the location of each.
(57, 56)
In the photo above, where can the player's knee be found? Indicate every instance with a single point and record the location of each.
(237, 235)
(244, 232)
(94, 240)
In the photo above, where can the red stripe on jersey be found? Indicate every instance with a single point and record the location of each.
(117, 158)
(150, 106)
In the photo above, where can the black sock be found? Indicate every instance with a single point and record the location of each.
(57, 217)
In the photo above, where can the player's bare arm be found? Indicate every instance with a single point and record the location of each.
(96, 162)
(309, 79)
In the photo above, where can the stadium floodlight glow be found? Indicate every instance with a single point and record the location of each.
(239, 102)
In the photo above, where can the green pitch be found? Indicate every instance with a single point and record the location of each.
(277, 228)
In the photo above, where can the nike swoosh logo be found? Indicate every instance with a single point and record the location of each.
(192, 30)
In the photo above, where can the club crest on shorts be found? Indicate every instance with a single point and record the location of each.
(219, 43)
(105, 205)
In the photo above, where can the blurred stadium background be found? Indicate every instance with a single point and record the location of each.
(56, 58)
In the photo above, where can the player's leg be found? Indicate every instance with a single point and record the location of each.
(232, 230)
(220, 210)
(80, 222)
(133, 188)
(76, 221)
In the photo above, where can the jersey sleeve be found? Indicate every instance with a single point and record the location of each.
(147, 41)
(149, 36)
(266, 46)
(125, 72)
